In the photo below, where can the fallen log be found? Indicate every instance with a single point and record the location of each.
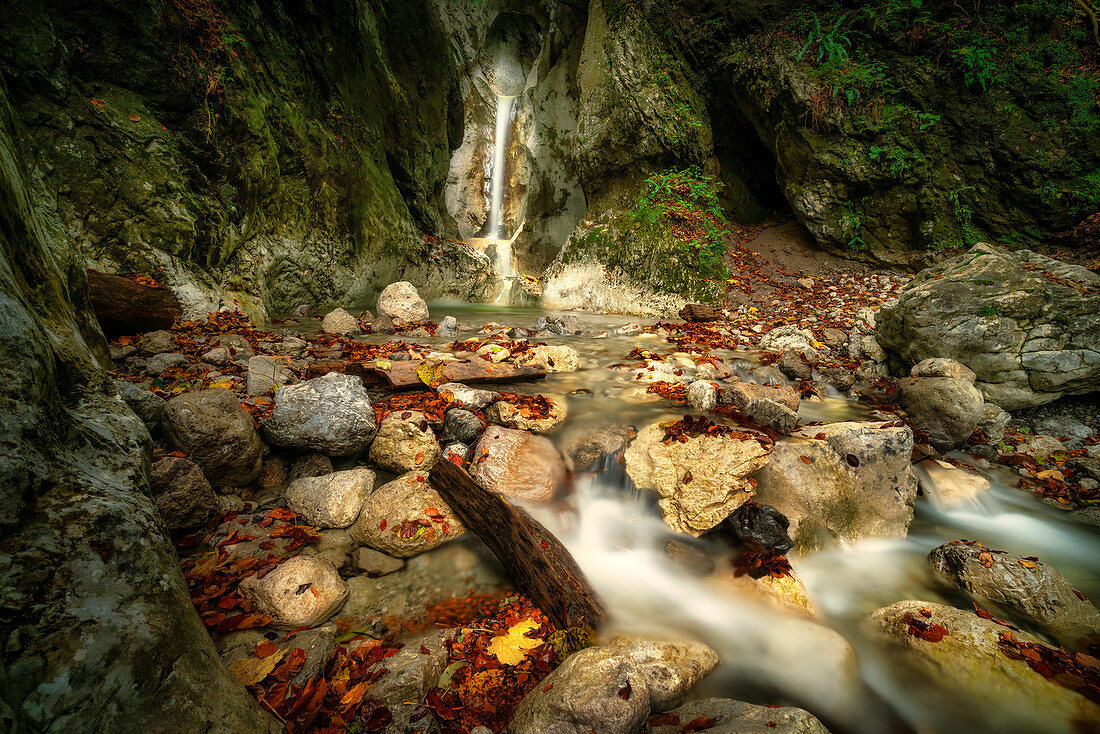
(699, 312)
(537, 562)
(403, 375)
(125, 307)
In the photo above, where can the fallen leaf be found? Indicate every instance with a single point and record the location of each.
(510, 647)
(1027, 564)
(354, 694)
(135, 117)
(266, 649)
(806, 459)
(250, 671)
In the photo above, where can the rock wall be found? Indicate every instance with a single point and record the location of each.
(96, 626)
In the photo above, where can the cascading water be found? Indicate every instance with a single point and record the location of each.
(496, 201)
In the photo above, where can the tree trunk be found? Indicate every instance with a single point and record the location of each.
(126, 307)
(539, 565)
(699, 312)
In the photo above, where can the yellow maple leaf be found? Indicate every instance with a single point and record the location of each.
(251, 671)
(431, 373)
(510, 647)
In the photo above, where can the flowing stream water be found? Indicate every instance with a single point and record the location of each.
(770, 654)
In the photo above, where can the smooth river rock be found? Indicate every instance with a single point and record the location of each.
(331, 414)
(212, 428)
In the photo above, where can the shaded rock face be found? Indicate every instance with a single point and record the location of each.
(217, 433)
(183, 496)
(854, 482)
(759, 526)
(1028, 339)
(1031, 590)
(94, 595)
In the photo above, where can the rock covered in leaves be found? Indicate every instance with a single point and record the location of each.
(411, 673)
(181, 492)
(727, 716)
(401, 302)
(469, 397)
(975, 658)
(331, 500)
(340, 322)
(404, 442)
(701, 479)
(539, 414)
(212, 428)
(406, 517)
(1028, 588)
(841, 482)
(330, 414)
(948, 409)
(1025, 324)
(517, 465)
(302, 591)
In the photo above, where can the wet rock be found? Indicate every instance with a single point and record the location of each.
(585, 447)
(302, 591)
(157, 364)
(506, 414)
(770, 414)
(382, 324)
(462, 426)
(993, 423)
(737, 717)
(181, 493)
(400, 302)
(448, 328)
(411, 675)
(330, 414)
(753, 525)
(405, 442)
(842, 482)
(569, 324)
(456, 452)
(340, 322)
(212, 428)
(839, 377)
(583, 695)
(795, 366)
(550, 358)
(375, 563)
(702, 395)
(628, 330)
(517, 465)
(670, 668)
(332, 500)
(1026, 588)
(147, 405)
(309, 465)
(1029, 339)
(791, 338)
(157, 342)
(969, 665)
(738, 394)
(700, 481)
(266, 374)
(943, 367)
(1062, 426)
(834, 338)
(864, 346)
(406, 517)
(870, 371)
(470, 397)
(948, 409)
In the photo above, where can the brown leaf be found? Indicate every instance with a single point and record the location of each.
(806, 459)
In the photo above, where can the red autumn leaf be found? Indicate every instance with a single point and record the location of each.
(382, 525)
(806, 459)
(425, 651)
(266, 648)
(624, 692)
(544, 544)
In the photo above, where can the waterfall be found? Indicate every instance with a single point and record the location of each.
(496, 201)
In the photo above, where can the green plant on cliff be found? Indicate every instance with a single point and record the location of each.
(686, 203)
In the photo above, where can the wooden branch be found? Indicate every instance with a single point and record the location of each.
(125, 307)
(1091, 15)
(537, 562)
(700, 312)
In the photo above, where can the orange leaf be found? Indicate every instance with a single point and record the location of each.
(266, 648)
(806, 459)
(355, 695)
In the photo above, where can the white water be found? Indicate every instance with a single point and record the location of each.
(496, 199)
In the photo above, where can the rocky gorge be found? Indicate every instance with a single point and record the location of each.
(602, 366)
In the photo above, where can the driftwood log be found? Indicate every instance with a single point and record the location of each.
(699, 312)
(125, 307)
(403, 376)
(537, 562)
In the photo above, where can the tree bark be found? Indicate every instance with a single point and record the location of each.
(539, 565)
(699, 312)
(125, 307)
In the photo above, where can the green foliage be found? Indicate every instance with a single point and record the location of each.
(978, 65)
(964, 216)
(832, 42)
(897, 160)
(987, 312)
(852, 223)
(686, 201)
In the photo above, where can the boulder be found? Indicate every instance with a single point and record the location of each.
(794, 365)
(969, 664)
(670, 668)
(147, 405)
(410, 675)
(302, 591)
(469, 397)
(509, 415)
(943, 367)
(702, 395)
(770, 414)
(406, 517)
(584, 448)
(375, 563)
(461, 425)
(753, 526)
(700, 481)
(834, 338)
(1026, 588)
(839, 377)
(267, 374)
(340, 322)
(218, 356)
(517, 465)
(309, 465)
(792, 338)
(993, 423)
(332, 500)
(736, 717)
(948, 409)
(738, 394)
(1027, 325)
(448, 328)
(405, 442)
(400, 302)
(331, 414)
(181, 492)
(212, 428)
(158, 363)
(550, 358)
(841, 481)
(157, 342)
